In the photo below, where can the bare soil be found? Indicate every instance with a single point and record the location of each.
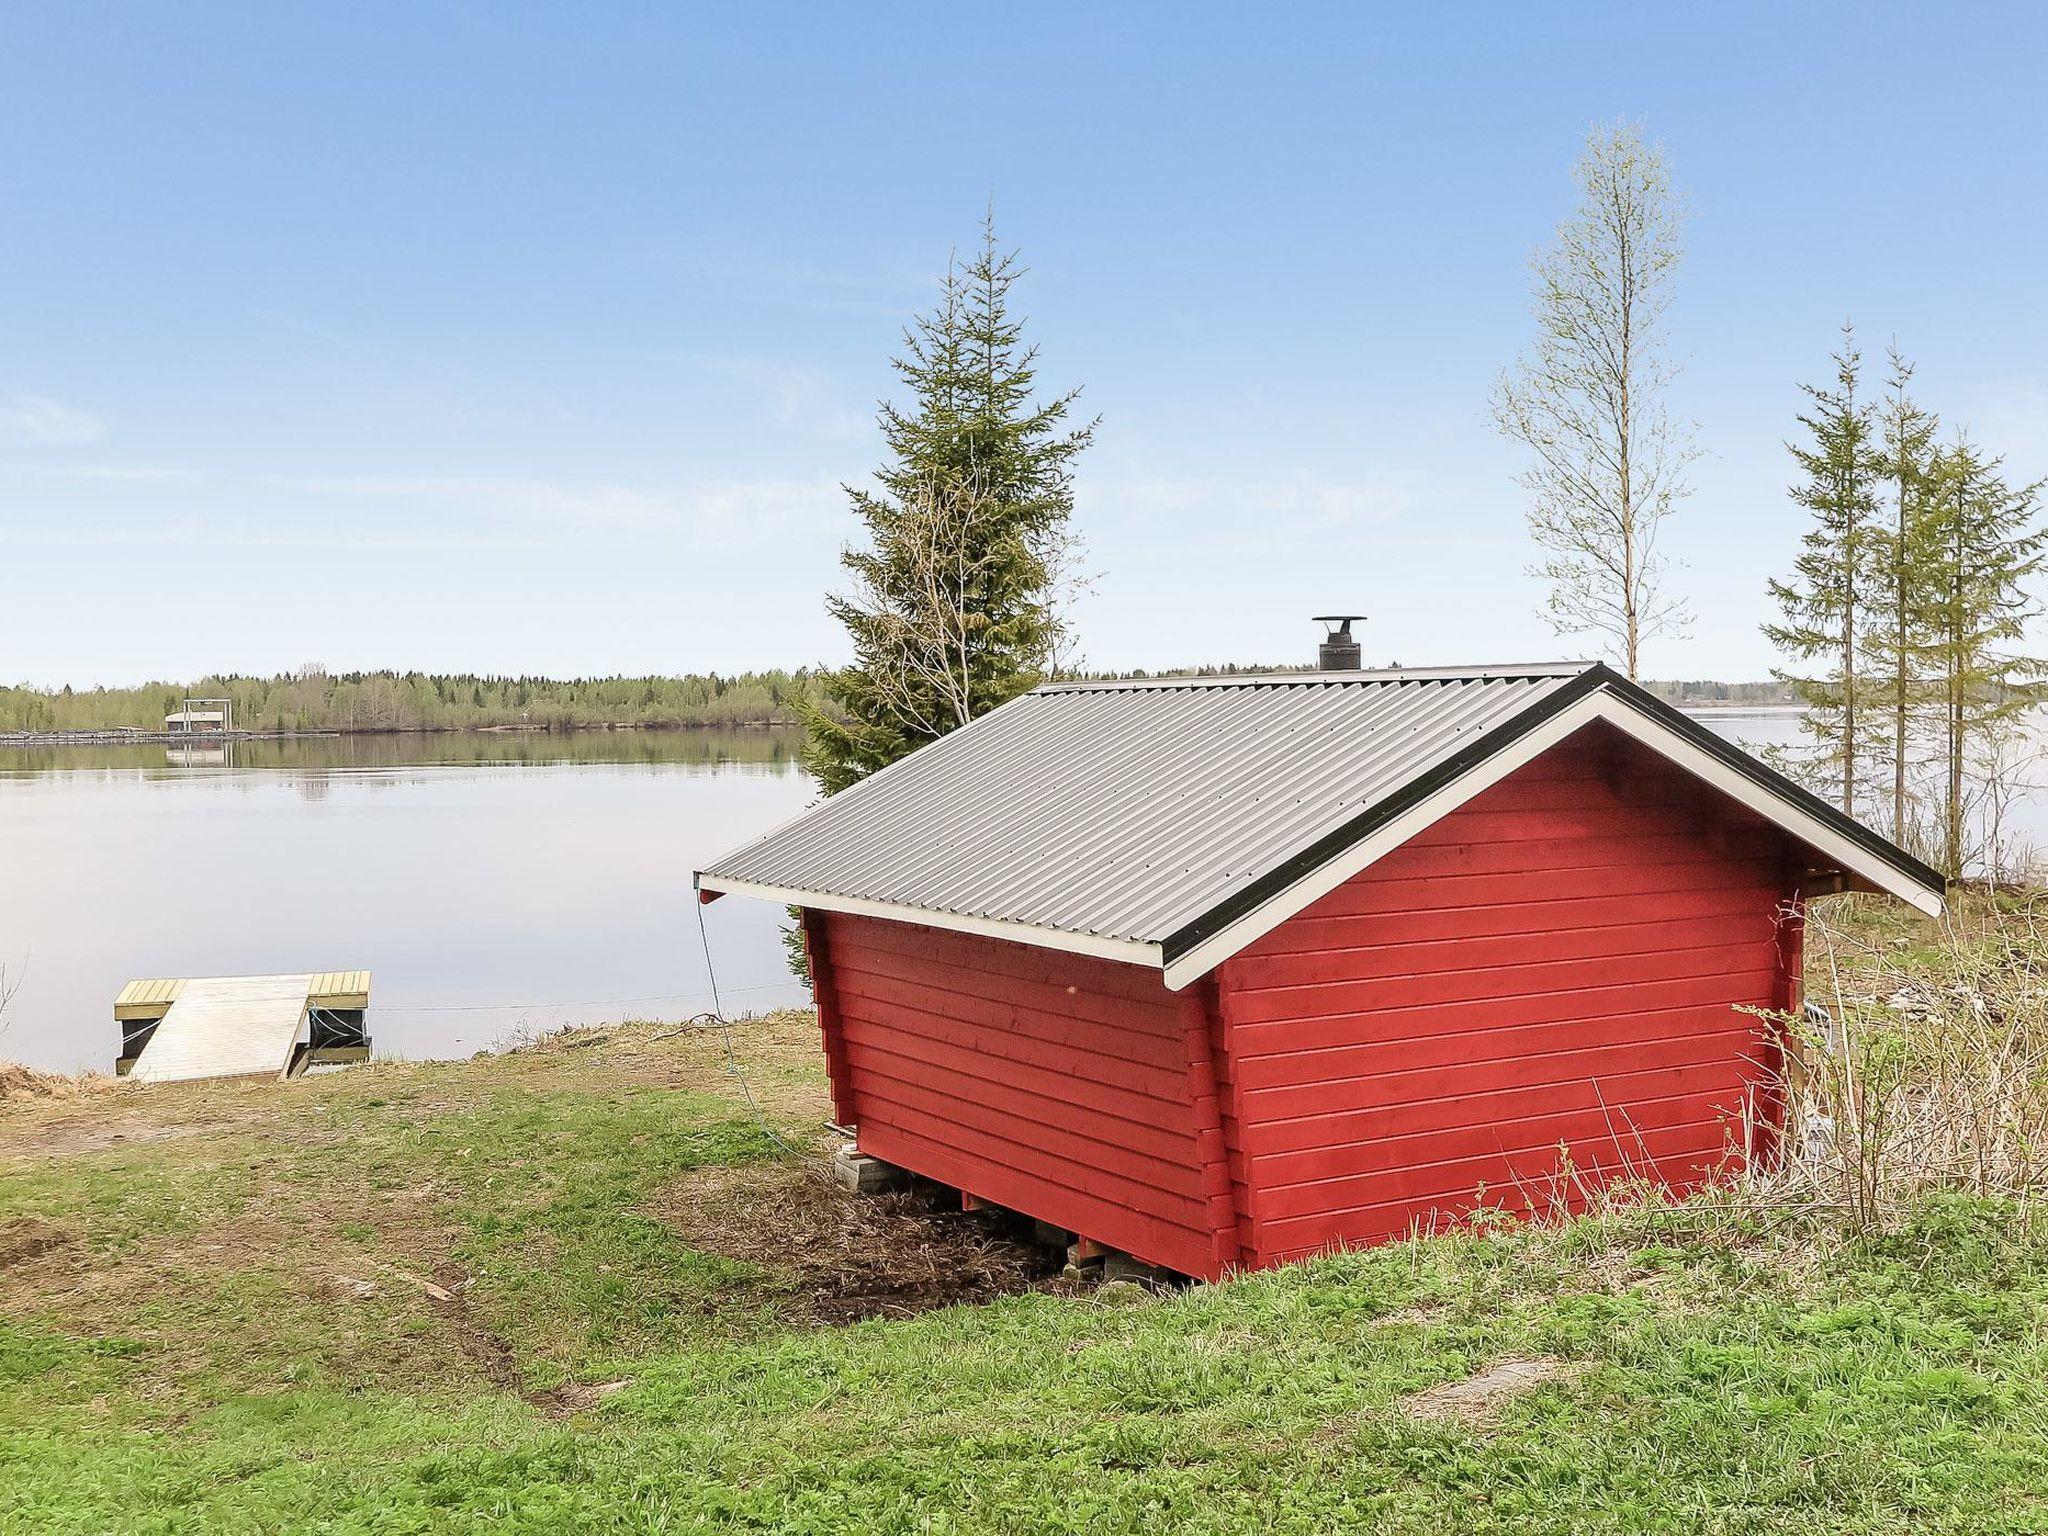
(833, 1257)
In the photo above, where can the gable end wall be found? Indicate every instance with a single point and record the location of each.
(1561, 960)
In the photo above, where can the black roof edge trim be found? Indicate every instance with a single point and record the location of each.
(1596, 678)
(1370, 820)
(1874, 843)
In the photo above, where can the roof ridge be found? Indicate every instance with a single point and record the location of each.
(1314, 679)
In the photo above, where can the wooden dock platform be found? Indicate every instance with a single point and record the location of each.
(234, 1026)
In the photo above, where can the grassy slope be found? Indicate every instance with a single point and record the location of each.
(217, 1324)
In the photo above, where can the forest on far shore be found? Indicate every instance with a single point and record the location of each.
(314, 700)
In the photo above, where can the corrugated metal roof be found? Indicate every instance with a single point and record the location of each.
(1126, 811)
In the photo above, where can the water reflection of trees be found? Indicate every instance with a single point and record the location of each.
(774, 748)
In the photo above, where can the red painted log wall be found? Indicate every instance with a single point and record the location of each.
(1559, 963)
(1054, 1084)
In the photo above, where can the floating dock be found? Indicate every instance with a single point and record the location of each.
(175, 1030)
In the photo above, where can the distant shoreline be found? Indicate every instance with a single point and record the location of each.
(139, 738)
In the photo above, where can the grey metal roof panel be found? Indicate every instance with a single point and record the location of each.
(1126, 811)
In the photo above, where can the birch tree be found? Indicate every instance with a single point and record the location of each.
(1587, 400)
(923, 651)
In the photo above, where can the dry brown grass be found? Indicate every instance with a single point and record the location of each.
(1479, 1398)
(23, 1085)
(1930, 1073)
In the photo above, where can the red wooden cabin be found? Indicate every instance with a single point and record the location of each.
(1220, 972)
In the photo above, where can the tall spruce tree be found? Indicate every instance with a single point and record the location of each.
(1983, 542)
(1898, 603)
(957, 598)
(1825, 601)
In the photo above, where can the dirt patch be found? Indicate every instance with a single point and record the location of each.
(834, 1257)
(1479, 1397)
(78, 1138)
(577, 1397)
(28, 1237)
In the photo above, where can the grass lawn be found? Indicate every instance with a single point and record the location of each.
(484, 1296)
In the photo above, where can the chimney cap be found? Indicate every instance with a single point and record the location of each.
(1339, 652)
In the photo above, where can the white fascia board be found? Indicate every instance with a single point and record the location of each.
(1312, 887)
(1773, 808)
(1128, 951)
(1315, 885)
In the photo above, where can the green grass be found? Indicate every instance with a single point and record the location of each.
(1721, 1381)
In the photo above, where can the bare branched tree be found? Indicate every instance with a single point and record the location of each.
(1587, 399)
(912, 602)
(10, 983)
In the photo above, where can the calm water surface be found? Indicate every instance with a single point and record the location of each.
(493, 883)
(496, 884)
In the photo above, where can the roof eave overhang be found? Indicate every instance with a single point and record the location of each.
(1207, 942)
(1129, 951)
(1204, 943)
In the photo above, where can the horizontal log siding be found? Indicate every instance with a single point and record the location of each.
(1558, 962)
(1057, 1085)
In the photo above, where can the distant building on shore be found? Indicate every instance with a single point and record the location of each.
(201, 717)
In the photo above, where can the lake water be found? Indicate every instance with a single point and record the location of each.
(496, 884)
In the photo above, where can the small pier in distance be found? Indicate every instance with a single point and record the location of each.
(178, 1029)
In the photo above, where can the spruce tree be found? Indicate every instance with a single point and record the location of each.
(1983, 542)
(1905, 454)
(1825, 601)
(957, 600)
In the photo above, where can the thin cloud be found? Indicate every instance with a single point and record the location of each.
(169, 508)
(119, 474)
(568, 509)
(48, 423)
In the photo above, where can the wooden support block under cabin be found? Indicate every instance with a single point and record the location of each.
(864, 1175)
(1121, 1266)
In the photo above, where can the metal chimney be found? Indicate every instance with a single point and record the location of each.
(1338, 652)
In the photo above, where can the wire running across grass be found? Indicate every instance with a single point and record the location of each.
(732, 1060)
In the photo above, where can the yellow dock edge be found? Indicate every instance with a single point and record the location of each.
(152, 999)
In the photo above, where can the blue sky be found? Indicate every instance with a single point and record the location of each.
(538, 338)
